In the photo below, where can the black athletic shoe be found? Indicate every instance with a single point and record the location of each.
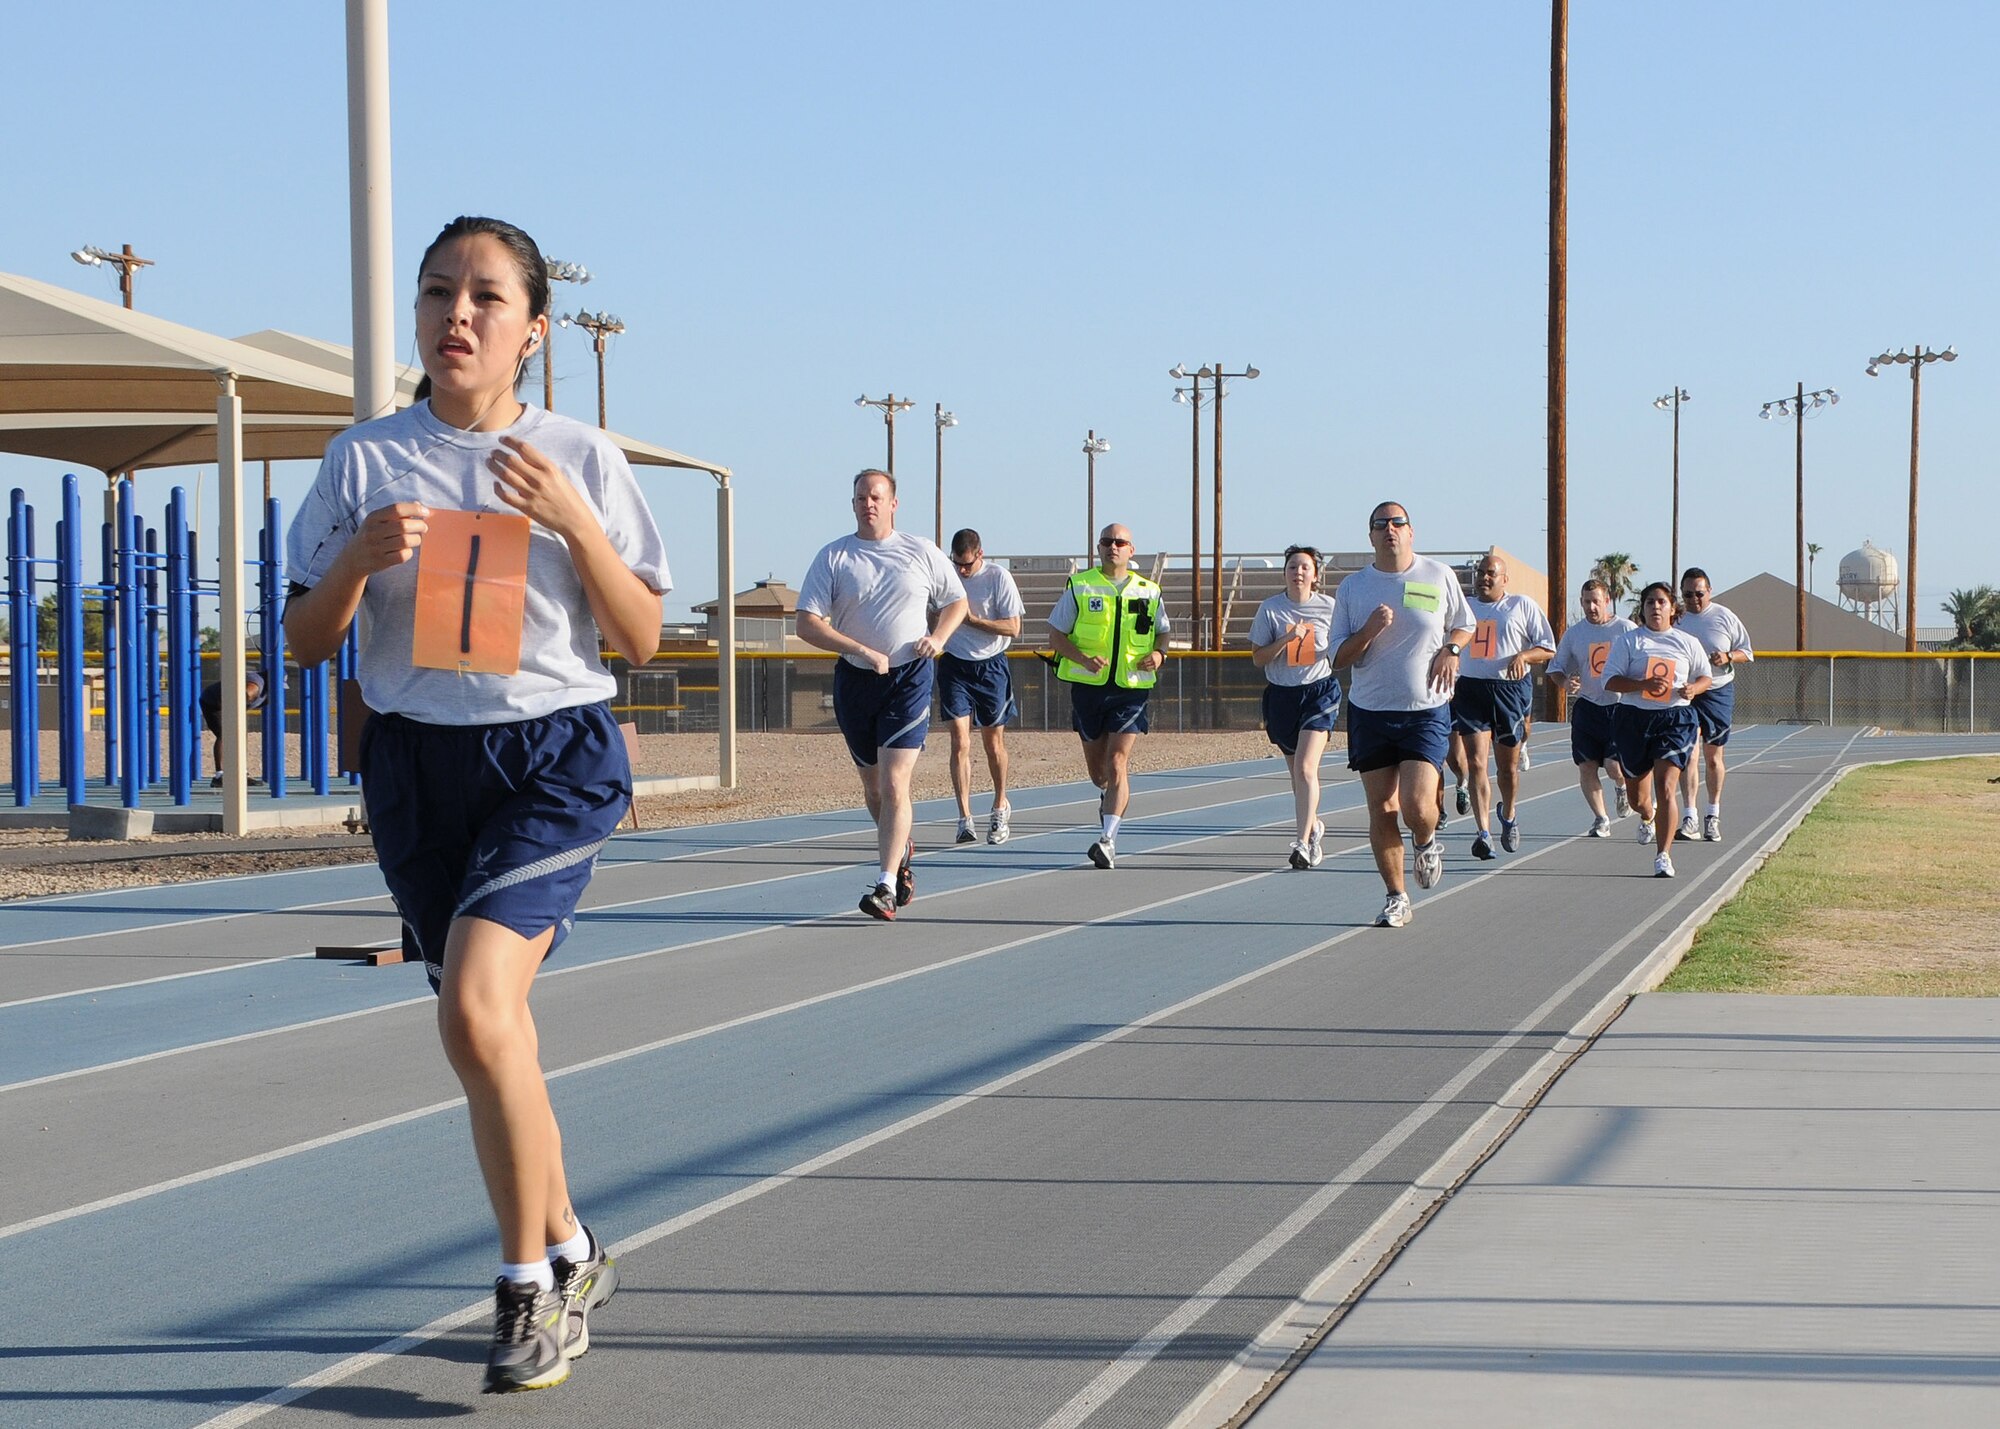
(880, 902)
(1463, 799)
(584, 1285)
(1482, 847)
(527, 1348)
(906, 876)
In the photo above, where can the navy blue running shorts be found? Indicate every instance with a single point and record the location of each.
(1591, 737)
(1501, 706)
(1715, 709)
(1382, 739)
(980, 689)
(1654, 736)
(1098, 710)
(1291, 710)
(878, 712)
(494, 821)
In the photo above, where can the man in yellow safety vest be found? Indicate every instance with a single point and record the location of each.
(1111, 631)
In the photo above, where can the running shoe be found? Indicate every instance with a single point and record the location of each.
(1316, 844)
(880, 902)
(584, 1285)
(1689, 828)
(1300, 859)
(1510, 834)
(1395, 913)
(1482, 846)
(906, 876)
(998, 830)
(1464, 801)
(1624, 802)
(527, 1348)
(1711, 829)
(1104, 852)
(1663, 867)
(1430, 864)
(1600, 827)
(965, 833)
(1645, 831)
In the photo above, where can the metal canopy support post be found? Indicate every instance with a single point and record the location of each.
(725, 642)
(235, 724)
(370, 235)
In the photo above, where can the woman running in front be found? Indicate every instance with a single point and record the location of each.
(1662, 669)
(487, 546)
(1288, 639)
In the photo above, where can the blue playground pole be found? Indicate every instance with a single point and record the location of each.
(350, 669)
(131, 624)
(181, 702)
(21, 649)
(69, 642)
(271, 591)
(108, 540)
(149, 594)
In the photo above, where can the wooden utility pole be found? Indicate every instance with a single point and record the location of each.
(1558, 320)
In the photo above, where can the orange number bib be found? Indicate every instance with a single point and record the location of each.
(472, 587)
(1654, 669)
(1599, 653)
(1484, 641)
(1301, 645)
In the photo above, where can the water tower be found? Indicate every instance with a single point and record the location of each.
(1868, 584)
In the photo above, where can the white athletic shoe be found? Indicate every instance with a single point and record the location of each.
(1600, 827)
(1624, 802)
(1645, 831)
(1104, 853)
(1663, 867)
(1395, 913)
(965, 833)
(1711, 828)
(1315, 844)
(998, 830)
(1299, 858)
(1430, 864)
(1690, 829)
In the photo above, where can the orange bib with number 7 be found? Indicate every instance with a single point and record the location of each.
(472, 589)
(1301, 645)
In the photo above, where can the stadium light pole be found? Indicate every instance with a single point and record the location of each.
(1796, 406)
(1673, 402)
(1215, 594)
(889, 406)
(942, 419)
(1916, 360)
(1191, 396)
(559, 272)
(1094, 446)
(599, 325)
(127, 263)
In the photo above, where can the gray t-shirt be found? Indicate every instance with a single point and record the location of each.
(412, 456)
(880, 592)
(1583, 652)
(1717, 630)
(990, 595)
(1639, 650)
(1309, 622)
(1394, 674)
(1502, 629)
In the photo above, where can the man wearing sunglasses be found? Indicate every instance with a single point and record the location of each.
(1111, 631)
(1398, 628)
(1726, 641)
(973, 683)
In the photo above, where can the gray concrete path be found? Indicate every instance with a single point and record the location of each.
(1730, 1210)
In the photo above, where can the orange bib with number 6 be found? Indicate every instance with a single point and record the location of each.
(472, 588)
(1599, 653)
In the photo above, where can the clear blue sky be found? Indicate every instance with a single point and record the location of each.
(1030, 212)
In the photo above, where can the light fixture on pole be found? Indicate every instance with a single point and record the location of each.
(1916, 361)
(600, 326)
(1796, 406)
(889, 406)
(1094, 447)
(1191, 397)
(1221, 380)
(559, 272)
(943, 419)
(127, 263)
(1673, 402)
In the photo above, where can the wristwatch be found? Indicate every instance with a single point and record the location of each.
(1451, 648)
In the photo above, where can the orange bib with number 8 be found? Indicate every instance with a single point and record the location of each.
(1655, 668)
(472, 587)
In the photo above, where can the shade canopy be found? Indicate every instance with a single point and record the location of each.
(90, 383)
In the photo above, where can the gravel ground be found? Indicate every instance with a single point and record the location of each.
(778, 774)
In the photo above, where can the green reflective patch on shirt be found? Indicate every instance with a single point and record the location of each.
(1422, 595)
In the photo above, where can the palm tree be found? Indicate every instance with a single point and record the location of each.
(1812, 554)
(1616, 571)
(1975, 618)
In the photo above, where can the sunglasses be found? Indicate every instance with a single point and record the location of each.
(1383, 523)
(963, 561)
(1113, 541)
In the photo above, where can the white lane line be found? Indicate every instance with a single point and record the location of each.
(571, 968)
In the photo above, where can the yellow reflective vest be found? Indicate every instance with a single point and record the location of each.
(1120, 629)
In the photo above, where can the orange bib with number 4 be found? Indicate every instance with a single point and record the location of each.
(472, 589)
(1485, 641)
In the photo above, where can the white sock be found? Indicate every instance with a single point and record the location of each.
(1110, 822)
(537, 1272)
(575, 1250)
(1715, 811)
(885, 879)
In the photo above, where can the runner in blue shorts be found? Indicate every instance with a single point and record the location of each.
(886, 602)
(1494, 696)
(1727, 642)
(975, 687)
(1661, 670)
(1110, 628)
(1579, 669)
(492, 771)
(1399, 626)
(1290, 639)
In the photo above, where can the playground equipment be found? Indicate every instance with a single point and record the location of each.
(150, 599)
